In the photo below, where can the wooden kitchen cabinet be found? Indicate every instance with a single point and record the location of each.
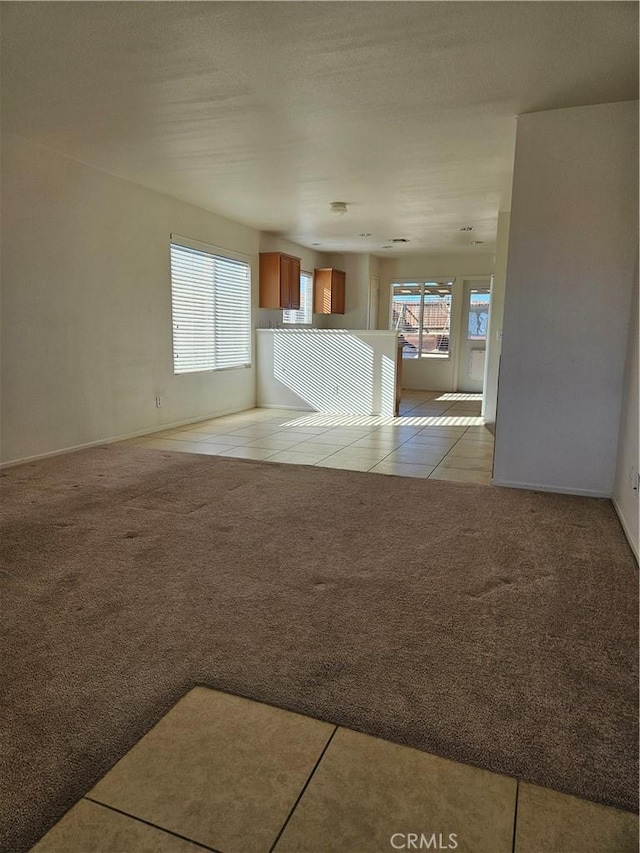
(328, 291)
(279, 280)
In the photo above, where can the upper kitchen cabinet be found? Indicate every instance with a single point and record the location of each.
(328, 291)
(279, 280)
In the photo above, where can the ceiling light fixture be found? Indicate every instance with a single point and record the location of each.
(339, 207)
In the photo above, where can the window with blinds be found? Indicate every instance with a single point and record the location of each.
(304, 315)
(211, 310)
(421, 312)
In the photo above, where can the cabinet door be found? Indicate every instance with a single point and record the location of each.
(289, 282)
(337, 292)
(285, 281)
(294, 284)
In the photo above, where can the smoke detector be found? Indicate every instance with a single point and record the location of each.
(339, 207)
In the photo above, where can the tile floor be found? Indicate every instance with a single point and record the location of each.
(223, 773)
(437, 435)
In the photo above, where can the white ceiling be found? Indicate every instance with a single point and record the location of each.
(266, 112)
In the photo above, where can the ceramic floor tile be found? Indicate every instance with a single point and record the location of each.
(92, 827)
(219, 769)
(400, 431)
(345, 435)
(478, 450)
(419, 454)
(292, 457)
(231, 440)
(430, 444)
(550, 822)
(362, 455)
(376, 453)
(434, 438)
(468, 463)
(351, 464)
(429, 411)
(207, 448)
(314, 446)
(255, 431)
(308, 430)
(367, 791)
(294, 435)
(442, 432)
(380, 442)
(478, 432)
(274, 442)
(402, 469)
(257, 453)
(461, 475)
(474, 446)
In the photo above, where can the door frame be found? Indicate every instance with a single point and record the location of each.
(374, 300)
(462, 326)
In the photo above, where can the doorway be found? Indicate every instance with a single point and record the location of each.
(473, 343)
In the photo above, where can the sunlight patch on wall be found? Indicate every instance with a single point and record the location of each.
(331, 373)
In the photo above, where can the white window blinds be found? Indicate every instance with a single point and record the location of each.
(211, 310)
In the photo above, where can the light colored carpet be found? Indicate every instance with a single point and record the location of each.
(491, 626)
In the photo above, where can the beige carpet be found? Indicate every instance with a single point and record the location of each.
(492, 626)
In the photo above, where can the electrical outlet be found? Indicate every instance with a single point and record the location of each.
(158, 402)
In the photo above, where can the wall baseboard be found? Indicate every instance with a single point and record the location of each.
(625, 527)
(293, 408)
(114, 439)
(559, 490)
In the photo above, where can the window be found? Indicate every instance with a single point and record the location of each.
(304, 315)
(421, 312)
(478, 315)
(211, 309)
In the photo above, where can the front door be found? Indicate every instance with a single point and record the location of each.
(475, 319)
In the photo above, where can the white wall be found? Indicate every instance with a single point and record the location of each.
(433, 374)
(356, 314)
(572, 250)
(327, 370)
(86, 311)
(625, 490)
(496, 314)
